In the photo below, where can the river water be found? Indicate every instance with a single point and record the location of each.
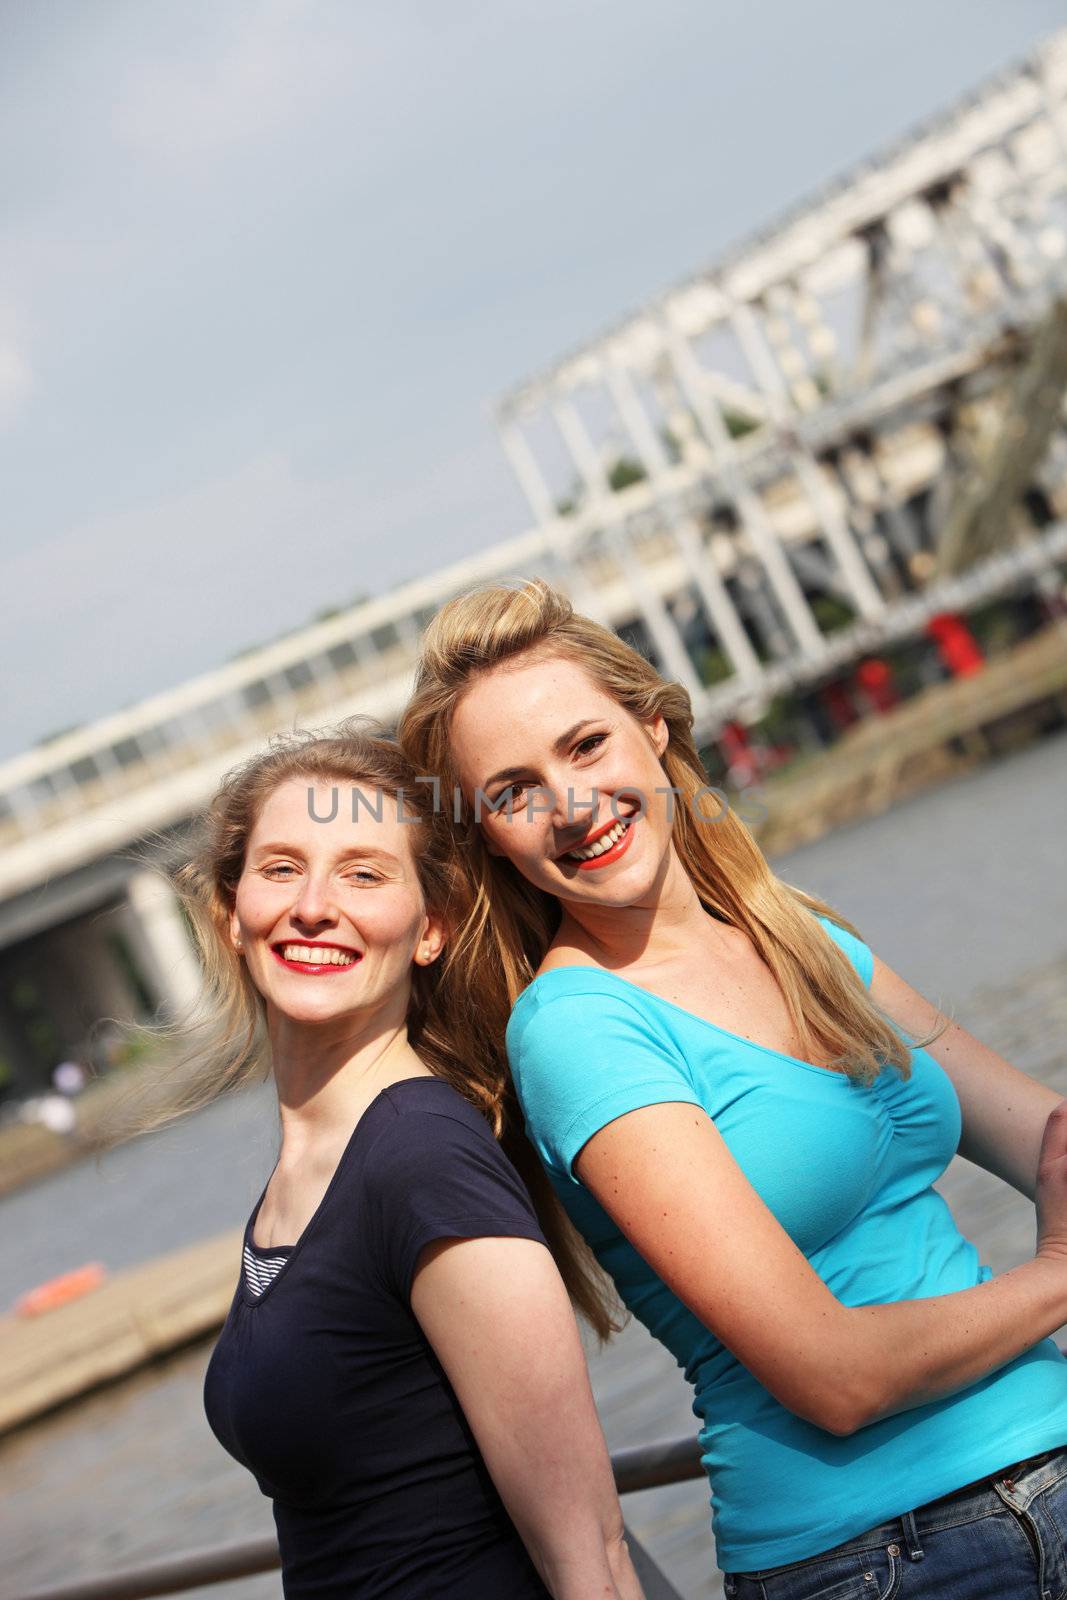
(962, 890)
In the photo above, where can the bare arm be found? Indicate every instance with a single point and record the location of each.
(669, 1181)
(498, 1318)
(1004, 1111)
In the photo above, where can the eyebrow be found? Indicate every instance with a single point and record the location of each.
(559, 747)
(353, 853)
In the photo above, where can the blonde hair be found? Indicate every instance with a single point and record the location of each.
(512, 923)
(224, 1043)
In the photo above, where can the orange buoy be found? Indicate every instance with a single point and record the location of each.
(57, 1291)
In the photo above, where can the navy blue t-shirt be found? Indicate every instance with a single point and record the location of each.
(326, 1388)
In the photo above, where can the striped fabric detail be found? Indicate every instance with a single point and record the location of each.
(260, 1270)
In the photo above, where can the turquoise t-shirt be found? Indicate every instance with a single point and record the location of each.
(847, 1171)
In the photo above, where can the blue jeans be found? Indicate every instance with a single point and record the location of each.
(1004, 1538)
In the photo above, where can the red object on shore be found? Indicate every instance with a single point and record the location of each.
(741, 760)
(57, 1291)
(956, 644)
(837, 703)
(875, 678)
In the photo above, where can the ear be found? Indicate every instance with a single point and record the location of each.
(431, 942)
(659, 733)
(235, 932)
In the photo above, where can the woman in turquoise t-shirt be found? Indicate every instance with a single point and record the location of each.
(744, 1111)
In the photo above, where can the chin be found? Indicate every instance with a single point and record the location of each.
(622, 889)
(617, 896)
(306, 1010)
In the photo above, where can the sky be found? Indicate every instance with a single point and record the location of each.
(265, 265)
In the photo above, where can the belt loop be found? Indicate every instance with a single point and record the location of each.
(911, 1537)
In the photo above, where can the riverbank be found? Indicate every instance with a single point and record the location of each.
(946, 729)
(108, 1109)
(131, 1319)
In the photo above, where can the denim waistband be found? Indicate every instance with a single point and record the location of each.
(1020, 1481)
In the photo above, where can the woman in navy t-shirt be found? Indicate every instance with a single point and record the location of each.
(400, 1367)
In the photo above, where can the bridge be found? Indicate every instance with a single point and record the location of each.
(752, 478)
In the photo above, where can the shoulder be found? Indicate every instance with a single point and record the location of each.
(415, 1101)
(419, 1117)
(433, 1170)
(424, 1137)
(586, 1015)
(563, 996)
(586, 1047)
(853, 946)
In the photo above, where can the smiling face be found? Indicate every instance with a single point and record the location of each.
(330, 916)
(579, 771)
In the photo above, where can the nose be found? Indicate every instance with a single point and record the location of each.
(574, 811)
(314, 906)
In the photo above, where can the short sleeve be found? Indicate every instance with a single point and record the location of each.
(434, 1176)
(858, 953)
(581, 1059)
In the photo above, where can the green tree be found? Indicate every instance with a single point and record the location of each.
(624, 472)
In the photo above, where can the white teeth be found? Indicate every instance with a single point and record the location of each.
(605, 842)
(318, 955)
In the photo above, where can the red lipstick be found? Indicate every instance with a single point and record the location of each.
(316, 969)
(619, 848)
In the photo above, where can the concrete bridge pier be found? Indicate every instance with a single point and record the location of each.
(60, 989)
(69, 989)
(157, 928)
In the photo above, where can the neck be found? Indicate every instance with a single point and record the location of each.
(326, 1075)
(664, 923)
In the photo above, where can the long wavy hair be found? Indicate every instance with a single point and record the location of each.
(224, 1043)
(511, 922)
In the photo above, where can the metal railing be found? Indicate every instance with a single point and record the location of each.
(650, 1466)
